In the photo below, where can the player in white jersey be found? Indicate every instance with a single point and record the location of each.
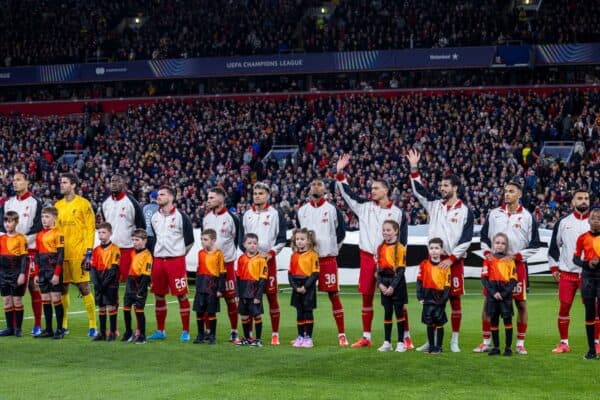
(521, 228)
(452, 221)
(269, 225)
(29, 209)
(124, 214)
(174, 239)
(371, 216)
(327, 222)
(227, 227)
(565, 272)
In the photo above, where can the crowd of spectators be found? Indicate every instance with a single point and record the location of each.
(36, 32)
(485, 138)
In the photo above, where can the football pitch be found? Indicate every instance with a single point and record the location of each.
(76, 368)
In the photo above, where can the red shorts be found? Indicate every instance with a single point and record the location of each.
(169, 274)
(271, 276)
(568, 284)
(30, 270)
(229, 281)
(457, 278)
(125, 264)
(366, 277)
(520, 290)
(328, 274)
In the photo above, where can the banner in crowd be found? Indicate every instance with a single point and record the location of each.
(213, 67)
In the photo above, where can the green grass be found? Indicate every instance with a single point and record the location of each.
(76, 368)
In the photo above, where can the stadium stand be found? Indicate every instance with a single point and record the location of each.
(485, 137)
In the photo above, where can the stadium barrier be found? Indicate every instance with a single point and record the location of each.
(69, 107)
(417, 251)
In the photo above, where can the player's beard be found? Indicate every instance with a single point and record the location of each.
(582, 209)
(316, 196)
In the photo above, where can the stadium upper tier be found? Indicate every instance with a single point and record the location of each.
(52, 32)
(486, 138)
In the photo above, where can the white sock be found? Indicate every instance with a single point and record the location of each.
(367, 335)
(274, 334)
(406, 334)
(566, 341)
(454, 337)
(341, 334)
(520, 343)
(595, 341)
(487, 341)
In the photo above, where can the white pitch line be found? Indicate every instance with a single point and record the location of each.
(83, 312)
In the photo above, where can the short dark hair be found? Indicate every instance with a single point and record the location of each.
(11, 216)
(73, 179)
(211, 233)
(262, 186)
(580, 190)
(515, 184)
(50, 210)
(250, 236)
(168, 188)
(105, 225)
(218, 190)
(454, 180)
(436, 240)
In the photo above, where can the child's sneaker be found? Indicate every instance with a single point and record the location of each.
(199, 338)
(454, 347)
(256, 343)
(308, 343)
(494, 352)
(141, 339)
(508, 352)
(401, 347)
(298, 342)
(126, 336)
(386, 346)
(590, 355)
(211, 339)
(435, 350)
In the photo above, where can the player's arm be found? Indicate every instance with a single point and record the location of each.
(353, 200)
(534, 243)
(89, 226)
(281, 239)
(340, 228)
(188, 232)
(403, 235)
(238, 231)
(484, 237)
(460, 250)
(485, 282)
(554, 248)
(37, 219)
(138, 217)
(241, 234)
(423, 195)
